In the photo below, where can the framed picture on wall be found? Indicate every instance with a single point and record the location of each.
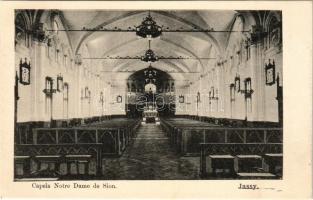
(24, 72)
(181, 99)
(270, 73)
(237, 83)
(119, 99)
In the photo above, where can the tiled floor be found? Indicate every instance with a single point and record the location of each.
(150, 157)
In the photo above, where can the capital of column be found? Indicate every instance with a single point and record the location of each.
(255, 36)
(39, 34)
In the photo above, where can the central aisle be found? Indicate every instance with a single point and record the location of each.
(150, 157)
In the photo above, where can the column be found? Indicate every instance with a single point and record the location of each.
(37, 97)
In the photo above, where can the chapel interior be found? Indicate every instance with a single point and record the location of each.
(148, 94)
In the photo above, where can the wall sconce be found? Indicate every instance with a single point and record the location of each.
(270, 73)
(248, 89)
(89, 96)
(59, 83)
(210, 97)
(237, 83)
(65, 89)
(212, 92)
(213, 96)
(49, 87)
(198, 97)
(181, 99)
(24, 72)
(101, 98)
(86, 92)
(82, 94)
(232, 92)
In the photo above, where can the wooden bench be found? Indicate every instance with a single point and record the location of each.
(220, 165)
(77, 159)
(24, 162)
(248, 163)
(273, 163)
(53, 162)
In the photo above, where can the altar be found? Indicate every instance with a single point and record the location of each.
(150, 115)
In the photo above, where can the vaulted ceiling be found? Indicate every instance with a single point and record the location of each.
(101, 44)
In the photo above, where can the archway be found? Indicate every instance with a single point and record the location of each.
(150, 87)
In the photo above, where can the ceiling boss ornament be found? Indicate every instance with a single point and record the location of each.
(148, 28)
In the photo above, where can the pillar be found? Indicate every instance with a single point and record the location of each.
(37, 97)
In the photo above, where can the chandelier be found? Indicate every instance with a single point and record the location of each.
(148, 28)
(149, 55)
(150, 74)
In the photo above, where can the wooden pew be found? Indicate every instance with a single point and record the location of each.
(97, 141)
(248, 157)
(53, 165)
(220, 166)
(174, 128)
(76, 160)
(24, 163)
(273, 163)
(186, 137)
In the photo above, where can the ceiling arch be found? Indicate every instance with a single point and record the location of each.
(170, 15)
(191, 44)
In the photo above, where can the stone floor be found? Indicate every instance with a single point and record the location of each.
(150, 157)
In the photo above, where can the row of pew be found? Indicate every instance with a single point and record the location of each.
(71, 152)
(227, 152)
